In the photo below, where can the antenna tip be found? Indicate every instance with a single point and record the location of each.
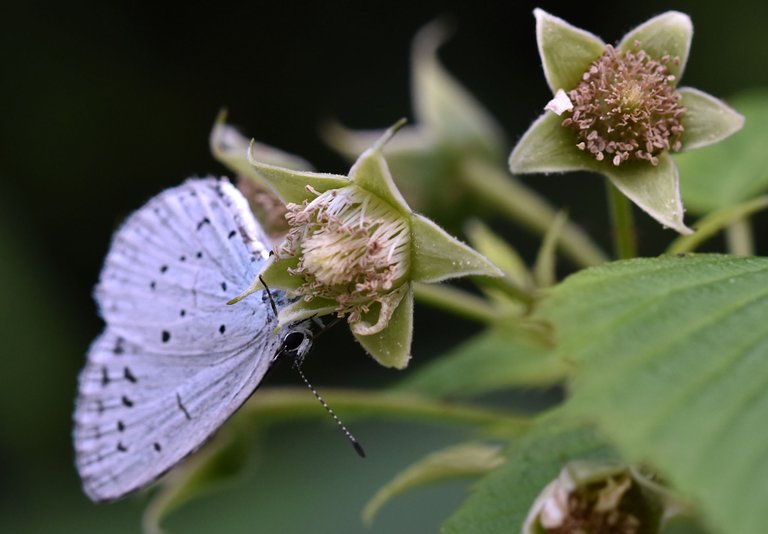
(358, 448)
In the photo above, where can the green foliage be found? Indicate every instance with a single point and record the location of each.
(734, 170)
(671, 360)
(501, 500)
(498, 359)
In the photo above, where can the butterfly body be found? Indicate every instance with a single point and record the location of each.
(174, 361)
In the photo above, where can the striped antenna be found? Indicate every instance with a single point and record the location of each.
(356, 444)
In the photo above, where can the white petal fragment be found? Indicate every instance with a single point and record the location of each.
(560, 104)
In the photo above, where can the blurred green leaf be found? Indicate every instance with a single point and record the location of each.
(501, 253)
(221, 460)
(734, 170)
(499, 358)
(500, 501)
(671, 356)
(461, 461)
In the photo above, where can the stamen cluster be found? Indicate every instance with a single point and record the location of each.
(626, 107)
(353, 248)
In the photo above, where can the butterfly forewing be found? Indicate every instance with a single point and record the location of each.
(175, 361)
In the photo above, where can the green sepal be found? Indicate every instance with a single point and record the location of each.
(291, 186)
(303, 309)
(549, 147)
(392, 346)
(668, 34)
(443, 105)
(654, 188)
(275, 274)
(566, 51)
(707, 119)
(230, 148)
(370, 172)
(436, 256)
(460, 461)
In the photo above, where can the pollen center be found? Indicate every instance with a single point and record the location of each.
(353, 247)
(626, 107)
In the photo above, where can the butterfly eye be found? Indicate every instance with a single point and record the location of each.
(293, 341)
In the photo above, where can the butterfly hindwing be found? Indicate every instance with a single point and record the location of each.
(175, 361)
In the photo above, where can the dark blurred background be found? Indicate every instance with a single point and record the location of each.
(107, 103)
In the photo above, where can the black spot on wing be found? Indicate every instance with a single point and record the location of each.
(129, 376)
(163, 268)
(120, 426)
(222, 329)
(223, 286)
(232, 233)
(165, 336)
(121, 447)
(128, 403)
(157, 447)
(203, 222)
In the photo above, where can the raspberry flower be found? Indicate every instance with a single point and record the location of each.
(353, 249)
(618, 111)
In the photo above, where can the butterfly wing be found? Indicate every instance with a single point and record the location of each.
(175, 361)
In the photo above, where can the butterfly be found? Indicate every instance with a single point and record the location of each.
(175, 361)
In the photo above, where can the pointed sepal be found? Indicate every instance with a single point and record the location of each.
(437, 256)
(371, 172)
(566, 51)
(391, 347)
(668, 34)
(291, 185)
(707, 120)
(655, 189)
(548, 147)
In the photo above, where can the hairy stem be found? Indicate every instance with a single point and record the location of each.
(525, 206)
(622, 222)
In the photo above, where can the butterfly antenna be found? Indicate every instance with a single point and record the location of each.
(356, 444)
(269, 296)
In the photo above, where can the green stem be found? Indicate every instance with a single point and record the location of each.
(455, 301)
(715, 222)
(623, 223)
(512, 198)
(279, 404)
(739, 238)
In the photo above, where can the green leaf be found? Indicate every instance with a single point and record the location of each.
(654, 188)
(501, 253)
(566, 51)
(668, 34)
(392, 346)
(500, 501)
(707, 120)
(230, 148)
(672, 363)
(457, 462)
(499, 358)
(220, 461)
(443, 105)
(436, 256)
(734, 170)
(549, 147)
